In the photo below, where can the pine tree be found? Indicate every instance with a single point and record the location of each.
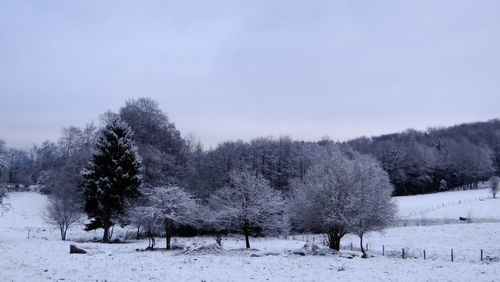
(112, 179)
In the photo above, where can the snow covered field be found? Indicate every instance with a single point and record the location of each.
(449, 205)
(44, 257)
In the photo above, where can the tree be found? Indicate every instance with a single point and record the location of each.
(494, 183)
(344, 192)
(373, 208)
(63, 213)
(19, 166)
(146, 217)
(250, 206)
(3, 161)
(160, 144)
(171, 207)
(112, 179)
(321, 201)
(3, 196)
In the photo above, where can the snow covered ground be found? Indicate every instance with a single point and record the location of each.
(474, 204)
(44, 257)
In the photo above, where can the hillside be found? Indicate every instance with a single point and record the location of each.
(44, 257)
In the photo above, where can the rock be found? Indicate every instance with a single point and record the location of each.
(299, 252)
(75, 250)
(326, 251)
(311, 248)
(347, 256)
(178, 247)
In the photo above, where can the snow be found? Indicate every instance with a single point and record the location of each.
(44, 257)
(449, 205)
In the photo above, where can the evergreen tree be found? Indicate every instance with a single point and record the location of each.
(112, 179)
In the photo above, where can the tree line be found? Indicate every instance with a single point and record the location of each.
(417, 162)
(283, 184)
(343, 192)
(437, 159)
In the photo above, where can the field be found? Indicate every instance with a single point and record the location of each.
(30, 249)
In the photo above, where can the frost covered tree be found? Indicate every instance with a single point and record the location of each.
(113, 178)
(63, 213)
(167, 207)
(372, 209)
(344, 192)
(494, 183)
(321, 201)
(147, 218)
(250, 206)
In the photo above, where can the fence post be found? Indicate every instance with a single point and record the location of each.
(313, 239)
(403, 252)
(383, 250)
(424, 255)
(351, 246)
(451, 254)
(367, 247)
(481, 254)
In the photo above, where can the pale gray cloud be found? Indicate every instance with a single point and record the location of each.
(240, 69)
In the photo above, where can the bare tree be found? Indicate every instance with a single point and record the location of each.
(160, 144)
(250, 206)
(63, 213)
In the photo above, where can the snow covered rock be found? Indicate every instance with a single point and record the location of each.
(307, 249)
(197, 249)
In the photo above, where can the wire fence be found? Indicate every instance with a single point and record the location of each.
(452, 254)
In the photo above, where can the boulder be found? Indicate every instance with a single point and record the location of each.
(75, 250)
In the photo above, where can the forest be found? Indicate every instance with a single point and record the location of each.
(135, 168)
(417, 162)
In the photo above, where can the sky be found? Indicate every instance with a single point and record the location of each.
(227, 70)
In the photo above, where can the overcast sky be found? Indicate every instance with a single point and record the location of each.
(226, 70)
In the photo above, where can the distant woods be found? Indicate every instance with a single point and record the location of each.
(438, 159)
(416, 162)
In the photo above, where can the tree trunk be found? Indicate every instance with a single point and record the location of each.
(247, 240)
(167, 239)
(105, 237)
(334, 241)
(361, 245)
(218, 239)
(63, 234)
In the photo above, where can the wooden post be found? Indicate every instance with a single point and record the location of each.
(29, 230)
(313, 239)
(403, 252)
(451, 254)
(481, 254)
(351, 246)
(424, 255)
(367, 247)
(383, 250)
